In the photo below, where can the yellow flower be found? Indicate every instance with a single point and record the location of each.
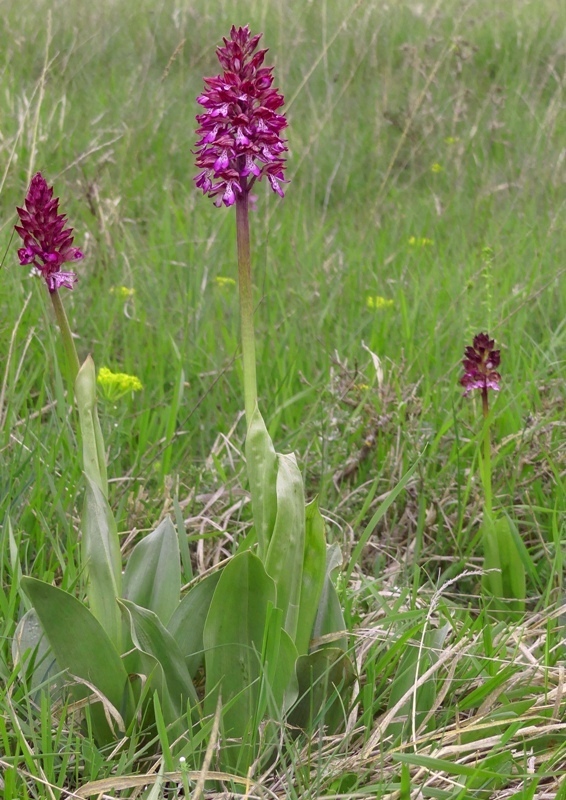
(436, 167)
(451, 140)
(123, 292)
(116, 384)
(222, 282)
(377, 302)
(420, 241)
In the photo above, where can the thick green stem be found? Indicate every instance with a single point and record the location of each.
(246, 302)
(68, 343)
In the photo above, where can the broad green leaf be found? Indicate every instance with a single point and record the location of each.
(151, 681)
(81, 645)
(329, 616)
(514, 584)
(186, 625)
(506, 583)
(284, 562)
(414, 662)
(152, 578)
(102, 562)
(324, 679)
(233, 638)
(312, 578)
(31, 648)
(279, 687)
(152, 638)
(278, 681)
(493, 579)
(261, 463)
(94, 458)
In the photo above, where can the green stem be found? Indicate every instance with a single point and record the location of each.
(246, 301)
(486, 471)
(67, 336)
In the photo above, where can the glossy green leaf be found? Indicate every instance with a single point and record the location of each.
(329, 617)
(261, 463)
(285, 554)
(175, 686)
(80, 644)
(324, 679)
(94, 457)
(312, 578)
(152, 578)
(102, 561)
(233, 638)
(186, 625)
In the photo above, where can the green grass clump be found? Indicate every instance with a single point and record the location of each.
(426, 167)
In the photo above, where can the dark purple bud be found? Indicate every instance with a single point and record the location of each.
(480, 363)
(47, 242)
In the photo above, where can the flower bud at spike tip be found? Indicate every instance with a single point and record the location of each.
(47, 242)
(480, 365)
(240, 131)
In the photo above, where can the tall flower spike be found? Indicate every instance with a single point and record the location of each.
(47, 242)
(240, 131)
(480, 365)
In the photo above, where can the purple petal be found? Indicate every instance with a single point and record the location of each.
(58, 279)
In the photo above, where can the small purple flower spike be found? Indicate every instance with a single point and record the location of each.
(480, 364)
(240, 130)
(47, 242)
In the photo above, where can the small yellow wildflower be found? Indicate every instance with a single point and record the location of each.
(436, 167)
(420, 241)
(221, 281)
(377, 302)
(123, 292)
(361, 387)
(116, 384)
(451, 140)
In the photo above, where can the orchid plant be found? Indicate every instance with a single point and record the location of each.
(266, 626)
(504, 580)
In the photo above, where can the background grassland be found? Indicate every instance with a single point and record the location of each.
(441, 121)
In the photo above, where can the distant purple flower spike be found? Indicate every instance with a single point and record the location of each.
(240, 131)
(480, 365)
(47, 242)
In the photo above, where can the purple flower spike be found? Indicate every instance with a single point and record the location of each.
(47, 242)
(240, 131)
(480, 364)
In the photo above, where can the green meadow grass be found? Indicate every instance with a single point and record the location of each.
(427, 167)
